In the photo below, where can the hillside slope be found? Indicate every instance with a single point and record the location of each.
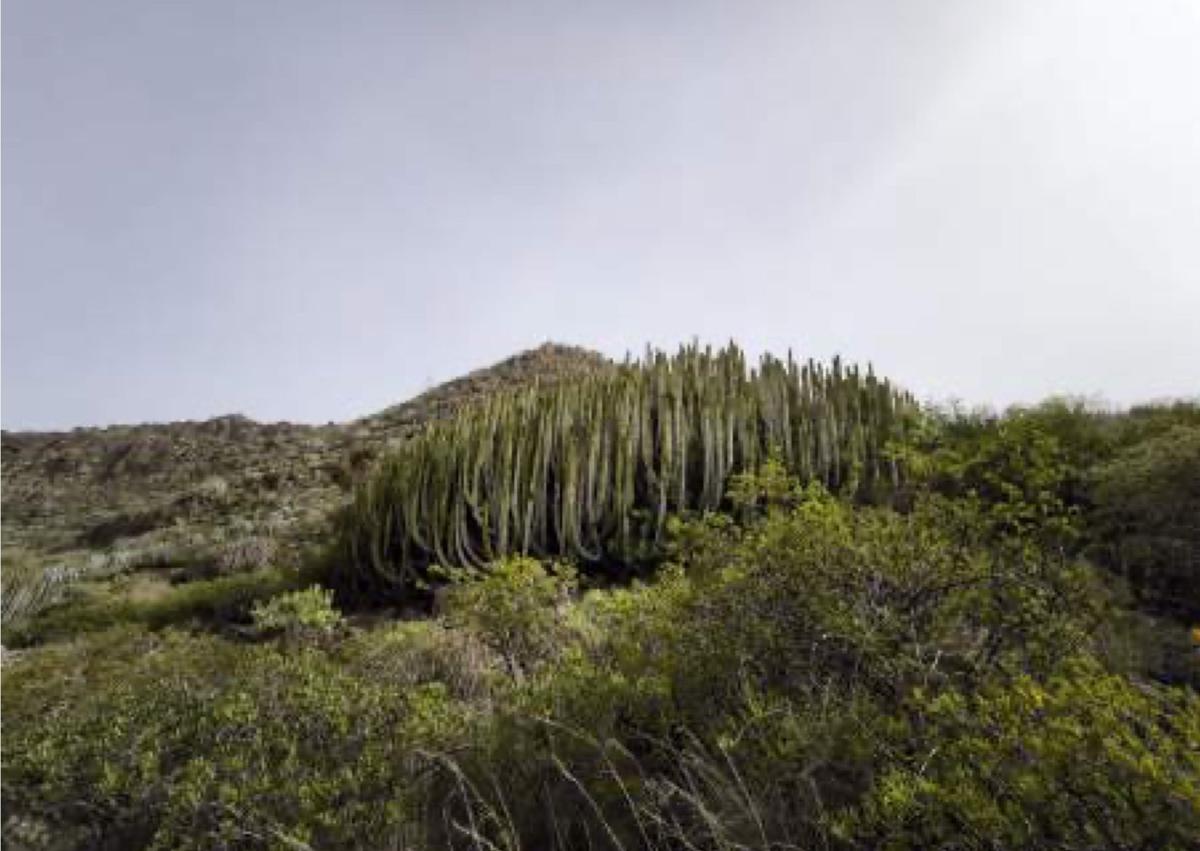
(228, 492)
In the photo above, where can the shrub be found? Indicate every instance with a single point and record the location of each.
(870, 598)
(1015, 466)
(516, 607)
(419, 653)
(749, 696)
(193, 742)
(216, 602)
(1147, 519)
(297, 612)
(1084, 760)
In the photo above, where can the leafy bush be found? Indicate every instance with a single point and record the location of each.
(297, 612)
(516, 607)
(418, 653)
(750, 696)
(1147, 519)
(194, 742)
(1084, 760)
(1014, 466)
(1146, 422)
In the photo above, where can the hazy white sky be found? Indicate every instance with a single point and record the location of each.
(311, 210)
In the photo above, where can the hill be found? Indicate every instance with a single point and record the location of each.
(221, 494)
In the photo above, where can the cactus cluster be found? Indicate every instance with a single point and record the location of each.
(589, 469)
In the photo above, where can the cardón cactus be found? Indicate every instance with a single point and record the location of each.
(589, 469)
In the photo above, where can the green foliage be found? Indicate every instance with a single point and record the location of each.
(870, 598)
(768, 488)
(213, 602)
(1015, 466)
(516, 607)
(1147, 519)
(1084, 760)
(1137, 644)
(750, 696)
(590, 469)
(1146, 422)
(418, 653)
(297, 613)
(1118, 486)
(805, 673)
(193, 742)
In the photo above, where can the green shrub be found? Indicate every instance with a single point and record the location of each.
(1085, 760)
(215, 602)
(1015, 466)
(749, 696)
(1146, 523)
(418, 653)
(196, 742)
(297, 612)
(1137, 644)
(516, 607)
(1146, 422)
(880, 600)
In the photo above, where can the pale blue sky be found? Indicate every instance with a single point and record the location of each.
(312, 210)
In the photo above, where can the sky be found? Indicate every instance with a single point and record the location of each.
(312, 210)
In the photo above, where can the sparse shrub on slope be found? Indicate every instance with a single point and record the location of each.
(590, 469)
(251, 552)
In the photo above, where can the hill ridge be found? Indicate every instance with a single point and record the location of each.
(191, 491)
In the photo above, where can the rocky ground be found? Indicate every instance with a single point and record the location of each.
(222, 495)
